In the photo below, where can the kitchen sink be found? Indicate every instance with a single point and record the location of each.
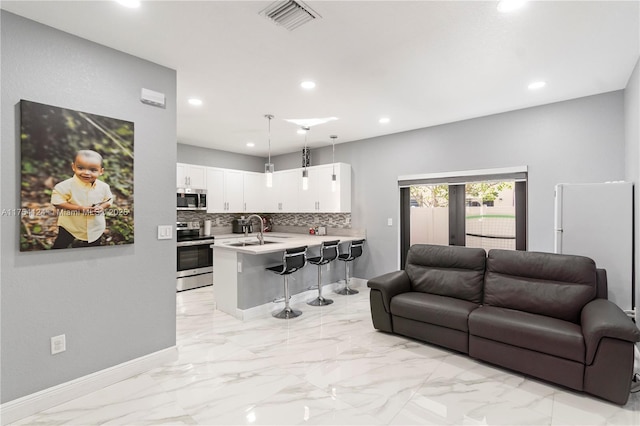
(249, 243)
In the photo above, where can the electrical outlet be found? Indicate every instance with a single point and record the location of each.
(58, 344)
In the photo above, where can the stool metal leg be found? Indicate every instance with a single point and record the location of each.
(287, 312)
(320, 301)
(346, 291)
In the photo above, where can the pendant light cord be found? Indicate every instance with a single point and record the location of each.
(269, 116)
(333, 152)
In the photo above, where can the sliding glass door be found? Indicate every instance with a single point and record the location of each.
(490, 215)
(476, 213)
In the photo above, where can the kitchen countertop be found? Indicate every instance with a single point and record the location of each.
(279, 241)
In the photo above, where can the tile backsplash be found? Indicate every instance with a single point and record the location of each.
(223, 220)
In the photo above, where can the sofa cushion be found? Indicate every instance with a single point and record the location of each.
(447, 271)
(433, 309)
(530, 331)
(555, 285)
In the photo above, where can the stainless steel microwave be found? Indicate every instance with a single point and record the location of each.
(192, 199)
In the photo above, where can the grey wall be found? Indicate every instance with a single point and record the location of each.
(581, 140)
(632, 157)
(113, 303)
(215, 158)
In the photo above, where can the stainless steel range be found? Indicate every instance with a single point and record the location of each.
(195, 257)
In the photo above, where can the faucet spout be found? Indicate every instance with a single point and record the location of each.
(261, 235)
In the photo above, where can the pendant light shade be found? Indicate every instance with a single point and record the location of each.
(334, 178)
(305, 160)
(268, 167)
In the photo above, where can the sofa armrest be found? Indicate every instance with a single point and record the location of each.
(390, 285)
(602, 318)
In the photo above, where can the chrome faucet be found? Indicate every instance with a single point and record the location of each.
(261, 236)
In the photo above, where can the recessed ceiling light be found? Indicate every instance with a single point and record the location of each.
(195, 101)
(132, 4)
(506, 6)
(537, 85)
(384, 120)
(308, 85)
(251, 144)
(309, 122)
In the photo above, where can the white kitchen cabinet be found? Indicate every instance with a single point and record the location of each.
(321, 197)
(309, 198)
(254, 192)
(191, 176)
(225, 191)
(282, 197)
(236, 191)
(216, 202)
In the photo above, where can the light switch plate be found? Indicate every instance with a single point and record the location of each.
(389, 222)
(58, 344)
(165, 232)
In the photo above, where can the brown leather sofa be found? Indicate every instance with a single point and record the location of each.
(545, 315)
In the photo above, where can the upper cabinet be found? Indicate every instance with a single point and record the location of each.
(282, 197)
(191, 176)
(322, 196)
(225, 191)
(236, 191)
(254, 192)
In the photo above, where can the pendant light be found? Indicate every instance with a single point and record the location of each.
(334, 178)
(305, 161)
(268, 167)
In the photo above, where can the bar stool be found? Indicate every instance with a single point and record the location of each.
(292, 260)
(328, 253)
(353, 252)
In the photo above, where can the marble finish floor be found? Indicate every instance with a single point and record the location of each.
(327, 367)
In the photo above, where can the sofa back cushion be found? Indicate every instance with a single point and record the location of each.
(447, 271)
(555, 285)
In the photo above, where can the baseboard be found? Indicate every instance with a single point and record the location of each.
(56, 395)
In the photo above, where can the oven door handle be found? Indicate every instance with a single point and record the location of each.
(195, 243)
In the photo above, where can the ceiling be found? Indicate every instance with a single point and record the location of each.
(420, 63)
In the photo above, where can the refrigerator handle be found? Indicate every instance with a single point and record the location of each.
(557, 243)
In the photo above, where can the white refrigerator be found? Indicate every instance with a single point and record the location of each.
(596, 220)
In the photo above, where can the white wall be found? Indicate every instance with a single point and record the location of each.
(632, 154)
(580, 140)
(114, 303)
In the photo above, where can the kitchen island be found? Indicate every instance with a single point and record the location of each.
(244, 288)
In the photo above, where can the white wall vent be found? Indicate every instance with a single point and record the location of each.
(289, 14)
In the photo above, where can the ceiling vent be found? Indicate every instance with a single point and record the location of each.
(289, 14)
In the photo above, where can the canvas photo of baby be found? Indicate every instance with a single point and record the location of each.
(77, 179)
